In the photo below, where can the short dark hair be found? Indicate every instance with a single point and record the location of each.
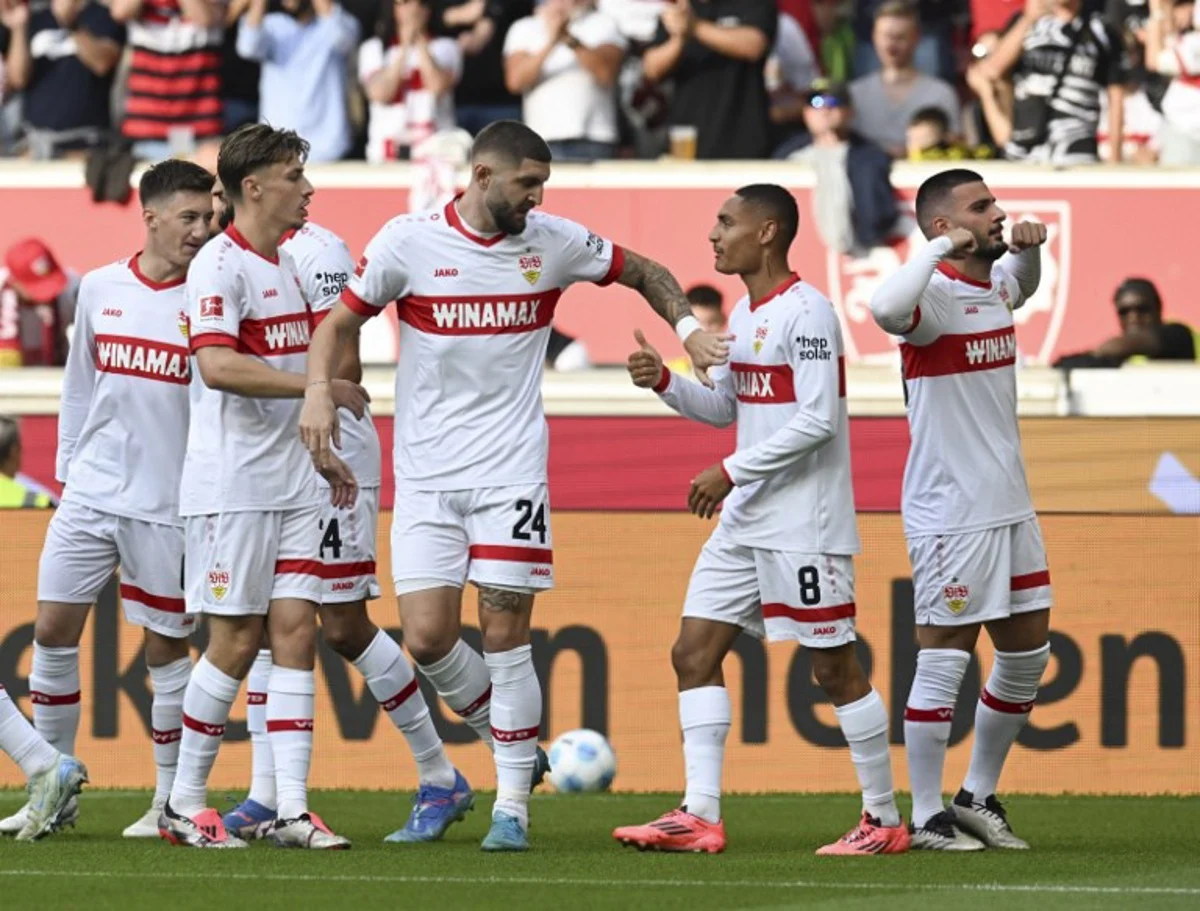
(777, 204)
(934, 192)
(10, 436)
(705, 296)
(255, 146)
(932, 115)
(512, 141)
(173, 176)
(1142, 287)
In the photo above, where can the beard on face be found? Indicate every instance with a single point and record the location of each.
(988, 249)
(507, 218)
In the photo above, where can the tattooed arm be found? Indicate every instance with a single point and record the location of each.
(662, 292)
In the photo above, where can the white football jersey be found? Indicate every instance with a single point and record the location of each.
(324, 265)
(965, 471)
(785, 385)
(244, 454)
(122, 425)
(475, 318)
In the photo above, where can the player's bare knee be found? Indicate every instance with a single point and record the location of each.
(839, 674)
(59, 625)
(504, 618)
(163, 650)
(233, 644)
(347, 629)
(695, 665)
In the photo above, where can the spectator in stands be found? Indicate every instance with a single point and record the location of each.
(708, 306)
(716, 51)
(987, 119)
(566, 354)
(1173, 50)
(174, 98)
(932, 51)
(13, 493)
(885, 101)
(239, 77)
(1142, 123)
(62, 56)
(409, 77)
(929, 139)
(637, 19)
(563, 62)
(792, 67)
(1144, 336)
(304, 52)
(836, 39)
(37, 306)
(1061, 60)
(853, 203)
(479, 27)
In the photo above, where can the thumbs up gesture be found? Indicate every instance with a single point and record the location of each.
(645, 365)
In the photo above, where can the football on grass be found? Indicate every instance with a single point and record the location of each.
(580, 761)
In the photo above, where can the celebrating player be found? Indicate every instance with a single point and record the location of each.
(54, 779)
(122, 430)
(973, 538)
(348, 572)
(780, 562)
(476, 284)
(248, 496)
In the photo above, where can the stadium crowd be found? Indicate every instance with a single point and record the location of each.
(1060, 81)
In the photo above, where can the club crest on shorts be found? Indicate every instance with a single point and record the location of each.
(760, 337)
(183, 324)
(531, 268)
(218, 581)
(957, 595)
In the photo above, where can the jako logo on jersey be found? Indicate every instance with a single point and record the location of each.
(967, 311)
(445, 273)
(110, 311)
(342, 586)
(141, 358)
(272, 292)
(531, 268)
(212, 307)
(991, 350)
(956, 596)
(824, 630)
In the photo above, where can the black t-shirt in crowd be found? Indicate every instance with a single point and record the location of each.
(483, 74)
(1067, 119)
(63, 94)
(723, 98)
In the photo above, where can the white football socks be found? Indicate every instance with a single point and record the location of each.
(516, 717)
(24, 746)
(206, 704)
(169, 683)
(290, 697)
(462, 679)
(54, 692)
(864, 724)
(262, 759)
(705, 716)
(927, 719)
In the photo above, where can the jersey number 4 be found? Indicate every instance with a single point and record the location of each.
(530, 520)
(331, 539)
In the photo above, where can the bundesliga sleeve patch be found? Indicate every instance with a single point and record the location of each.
(212, 307)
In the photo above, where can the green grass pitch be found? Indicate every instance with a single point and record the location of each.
(1107, 853)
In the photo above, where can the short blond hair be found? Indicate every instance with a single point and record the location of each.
(898, 9)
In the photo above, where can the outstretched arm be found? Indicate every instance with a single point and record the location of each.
(662, 292)
(717, 406)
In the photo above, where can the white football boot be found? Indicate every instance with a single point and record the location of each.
(987, 821)
(941, 834)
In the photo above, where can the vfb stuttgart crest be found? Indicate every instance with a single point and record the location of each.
(183, 323)
(760, 337)
(854, 279)
(531, 268)
(218, 581)
(956, 595)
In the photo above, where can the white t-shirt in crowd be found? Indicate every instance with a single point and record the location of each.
(566, 102)
(414, 112)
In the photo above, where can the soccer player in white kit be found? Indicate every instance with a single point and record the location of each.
(248, 494)
(973, 538)
(476, 282)
(347, 554)
(54, 779)
(122, 430)
(780, 563)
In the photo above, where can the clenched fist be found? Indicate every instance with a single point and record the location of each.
(1026, 234)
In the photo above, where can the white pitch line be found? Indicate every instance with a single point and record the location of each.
(617, 883)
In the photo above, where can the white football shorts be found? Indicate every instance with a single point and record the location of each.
(348, 549)
(981, 576)
(84, 546)
(776, 594)
(492, 536)
(237, 563)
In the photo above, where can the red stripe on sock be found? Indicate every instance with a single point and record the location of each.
(289, 724)
(931, 715)
(400, 698)
(476, 705)
(167, 736)
(1010, 708)
(38, 698)
(203, 727)
(514, 736)
(1030, 580)
(256, 699)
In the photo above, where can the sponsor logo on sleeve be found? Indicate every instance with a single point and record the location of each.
(212, 308)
